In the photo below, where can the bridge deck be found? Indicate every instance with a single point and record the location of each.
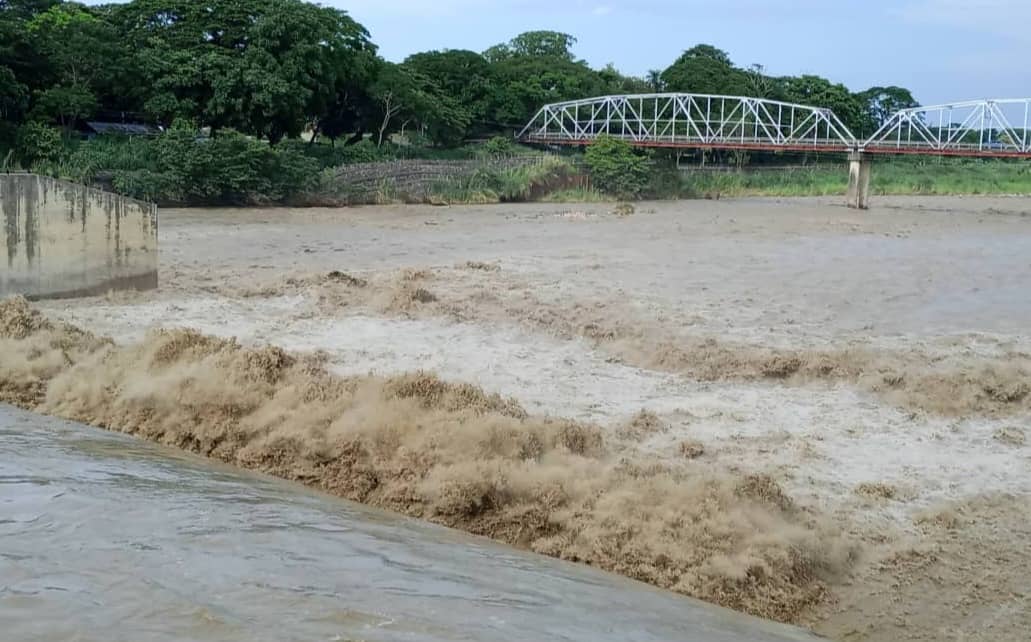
(759, 146)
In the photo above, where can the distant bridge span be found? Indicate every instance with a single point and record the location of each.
(986, 128)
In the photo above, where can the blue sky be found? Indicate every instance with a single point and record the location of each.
(944, 50)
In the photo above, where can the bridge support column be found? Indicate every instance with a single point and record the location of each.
(858, 181)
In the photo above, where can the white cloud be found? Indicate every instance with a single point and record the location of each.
(602, 10)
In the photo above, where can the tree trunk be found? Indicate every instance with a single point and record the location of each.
(356, 138)
(387, 113)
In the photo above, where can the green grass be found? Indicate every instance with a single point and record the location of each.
(512, 185)
(952, 178)
(83, 160)
(889, 177)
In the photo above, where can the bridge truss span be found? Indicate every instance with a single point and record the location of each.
(698, 121)
(987, 128)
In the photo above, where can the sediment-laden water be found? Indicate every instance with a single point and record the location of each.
(105, 537)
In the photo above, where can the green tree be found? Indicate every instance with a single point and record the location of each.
(396, 94)
(444, 120)
(820, 92)
(618, 83)
(883, 102)
(525, 83)
(265, 67)
(231, 168)
(64, 104)
(543, 44)
(463, 76)
(19, 50)
(405, 99)
(705, 70)
(710, 52)
(83, 55)
(79, 47)
(37, 142)
(616, 168)
(548, 44)
(14, 96)
(759, 84)
(351, 106)
(655, 83)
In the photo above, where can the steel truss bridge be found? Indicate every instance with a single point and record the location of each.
(986, 128)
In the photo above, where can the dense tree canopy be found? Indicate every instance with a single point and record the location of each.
(534, 44)
(274, 69)
(882, 102)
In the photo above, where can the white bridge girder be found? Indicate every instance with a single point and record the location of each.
(978, 128)
(975, 128)
(683, 120)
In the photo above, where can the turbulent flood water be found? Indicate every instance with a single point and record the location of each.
(104, 537)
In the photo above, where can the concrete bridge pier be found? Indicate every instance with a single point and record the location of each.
(858, 181)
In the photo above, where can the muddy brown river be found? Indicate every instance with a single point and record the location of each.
(105, 537)
(865, 375)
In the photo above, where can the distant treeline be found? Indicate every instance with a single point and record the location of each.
(273, 69)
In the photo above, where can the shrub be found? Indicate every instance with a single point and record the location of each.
(38, 143)
(616, 168)
(228, 168)
(499, 147)
(326, 155)
(364, 151)
(146, 184)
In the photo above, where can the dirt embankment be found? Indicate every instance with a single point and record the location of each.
(950, 385)
(444, 452)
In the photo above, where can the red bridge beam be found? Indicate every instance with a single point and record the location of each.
(768, 147)
(756, 147)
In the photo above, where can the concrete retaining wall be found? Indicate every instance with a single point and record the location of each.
(60, 239)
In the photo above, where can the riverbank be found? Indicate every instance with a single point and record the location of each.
(872, 366)
(177, 169)
(558, 180)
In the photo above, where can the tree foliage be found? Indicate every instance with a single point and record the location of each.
(267, 71)
(616, 167)
(274, 69)
(264, 67)
(37, 142)
(882, 102)
(820, 92)
(534, 44)
(704, 69)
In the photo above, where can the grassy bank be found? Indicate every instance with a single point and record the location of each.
(181, 168)
(561, 180)
(898, 177)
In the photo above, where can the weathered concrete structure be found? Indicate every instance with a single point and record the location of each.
(62, 240)
(858, 196)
